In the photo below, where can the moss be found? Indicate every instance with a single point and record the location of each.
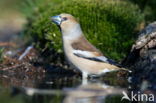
(148, 8)
(1, 54)
(108, 24)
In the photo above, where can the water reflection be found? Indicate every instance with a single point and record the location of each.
(19, 79)
(91, 93)
(63, 88)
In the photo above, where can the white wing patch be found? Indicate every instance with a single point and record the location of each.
(91, 56)
(83, 53)
(102, 58)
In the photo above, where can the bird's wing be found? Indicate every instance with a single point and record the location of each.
(92, 56)
(83, 49)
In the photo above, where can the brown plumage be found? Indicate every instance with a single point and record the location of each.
(82, 44)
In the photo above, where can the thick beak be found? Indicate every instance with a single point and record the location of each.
(56, 19)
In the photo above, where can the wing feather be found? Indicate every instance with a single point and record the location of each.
(92, 56)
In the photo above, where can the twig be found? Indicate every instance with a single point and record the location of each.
(14, 66)
(7, 44)
(25, 52)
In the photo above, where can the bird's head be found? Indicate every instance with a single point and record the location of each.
(68, 24)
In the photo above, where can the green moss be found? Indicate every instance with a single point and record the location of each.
(108, 24)
(1, 54)
(148, 8)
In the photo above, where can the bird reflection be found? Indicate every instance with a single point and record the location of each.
(91, 93)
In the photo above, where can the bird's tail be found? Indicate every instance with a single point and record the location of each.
(126, 70)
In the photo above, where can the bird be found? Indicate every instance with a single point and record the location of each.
(79, 51)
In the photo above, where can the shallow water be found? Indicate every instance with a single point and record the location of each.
(61, 88)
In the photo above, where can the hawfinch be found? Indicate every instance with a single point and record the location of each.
(79, 51)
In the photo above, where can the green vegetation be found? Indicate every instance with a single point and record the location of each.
(148, 7)
(108, 24)
(1, 54)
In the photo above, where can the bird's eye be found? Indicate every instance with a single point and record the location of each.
(64, 18)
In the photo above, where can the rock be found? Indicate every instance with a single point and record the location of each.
(142, 58)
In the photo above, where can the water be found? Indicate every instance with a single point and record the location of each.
(61, 88)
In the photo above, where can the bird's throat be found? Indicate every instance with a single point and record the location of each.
(72, 34)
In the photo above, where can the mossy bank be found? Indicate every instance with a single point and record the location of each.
(108, 24)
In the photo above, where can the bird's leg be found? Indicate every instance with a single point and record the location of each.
(84, 78)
